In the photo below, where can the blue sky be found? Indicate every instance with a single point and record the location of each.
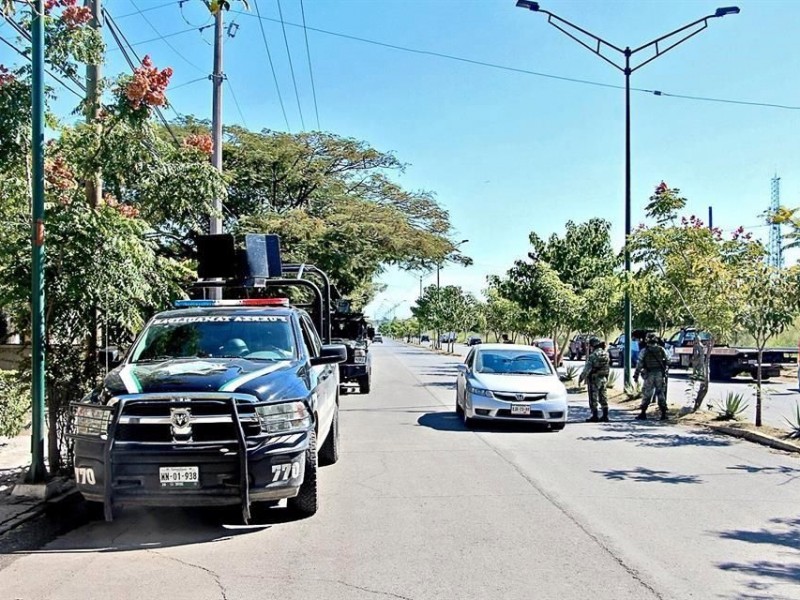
(508, 153)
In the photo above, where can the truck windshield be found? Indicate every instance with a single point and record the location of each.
(255, 337)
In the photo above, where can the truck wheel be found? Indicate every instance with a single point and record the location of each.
(364, 384)
(329, 453)
(306, 503)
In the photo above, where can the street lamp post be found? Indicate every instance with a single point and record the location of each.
(570, 29)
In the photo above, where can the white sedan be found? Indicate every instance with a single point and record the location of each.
(510, 382)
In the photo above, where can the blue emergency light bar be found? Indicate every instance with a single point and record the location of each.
(243, 302)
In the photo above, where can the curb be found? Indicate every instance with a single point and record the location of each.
(37, 509)
(759, 438)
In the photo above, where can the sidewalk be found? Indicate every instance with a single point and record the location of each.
(15, 457)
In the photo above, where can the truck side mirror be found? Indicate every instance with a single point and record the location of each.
(110, 356)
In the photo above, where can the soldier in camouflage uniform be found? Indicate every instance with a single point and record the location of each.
(653, 361)
(596, 374)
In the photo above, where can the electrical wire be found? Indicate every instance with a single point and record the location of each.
(272, 66)
(27, 36)
(164, 36)
(48, 71)
(526, 71)
(291, 66)
(235, 101)
(148, 9)
(310, 70)
(163, 39)
(185, 83)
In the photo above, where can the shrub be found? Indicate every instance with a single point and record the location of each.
(733, 405)
(633, 391)
(15, 401)
(613, 377)
(571, 373)
(794, 423)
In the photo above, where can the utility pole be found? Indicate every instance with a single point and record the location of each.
(94, 185)
(36, 474)
(216, 127)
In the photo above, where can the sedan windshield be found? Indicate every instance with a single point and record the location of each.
(512, 362)
(255, 337)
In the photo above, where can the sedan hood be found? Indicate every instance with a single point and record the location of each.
(529, 384)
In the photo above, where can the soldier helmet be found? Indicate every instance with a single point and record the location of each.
(651, 338)
(594, 342)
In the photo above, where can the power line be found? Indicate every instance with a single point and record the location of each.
(148, 9)
(165, 36)
(185, 83)
(169, 45)
(236, 102)
(310, 70)
(291, 66)
(525, 71)
(272, 66)
(48, 71)
(27, 36)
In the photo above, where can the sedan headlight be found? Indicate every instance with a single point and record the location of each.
(277, 418)
(479, 391)
(557, 396)
(92, 420)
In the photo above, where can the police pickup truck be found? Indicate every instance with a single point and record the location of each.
(351, 330)
(217, 402)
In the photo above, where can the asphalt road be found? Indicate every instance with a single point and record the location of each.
(420, 508)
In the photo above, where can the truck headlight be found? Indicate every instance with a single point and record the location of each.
(92, 420)
(276, 418)
(360, 356)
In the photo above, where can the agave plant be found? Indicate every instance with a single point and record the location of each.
(613, 377)
(794, 423)
(733, 405)
(571, 373)
(633, 390)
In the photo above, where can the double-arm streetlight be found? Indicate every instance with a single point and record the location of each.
(660, 46)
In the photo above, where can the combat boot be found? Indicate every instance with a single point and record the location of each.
(604, 418)
(663, 414)
(642, 416)
(594, 418)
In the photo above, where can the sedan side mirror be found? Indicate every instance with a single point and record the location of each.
(462, 368)
(331, 354)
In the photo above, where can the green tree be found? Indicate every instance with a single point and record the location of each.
(700, 268)
(771, 302)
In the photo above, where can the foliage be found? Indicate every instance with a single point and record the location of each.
(771, 304)
(794, 422)
(733, 405)
(571, 373)
(445, 309)
(500, 314)
(613, 377)
(15, 403)
(633, 390)
(698, 266)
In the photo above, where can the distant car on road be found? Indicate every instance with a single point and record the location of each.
(616, 350)
(510, 382)
(448, 337)
(378, 339)
(425, 339)
(550, 350)
(474, 340)
(579, 346)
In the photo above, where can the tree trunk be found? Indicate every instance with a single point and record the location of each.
(701, 360)
(53, 450)
(758, 385)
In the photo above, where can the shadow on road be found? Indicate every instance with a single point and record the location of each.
(157, 528)
(450, 421)
(769, 578)
(792, 473)
(645, 475)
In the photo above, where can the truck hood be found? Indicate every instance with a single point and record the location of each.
(263, 379)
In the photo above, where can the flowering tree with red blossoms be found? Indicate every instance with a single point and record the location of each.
(117, 256)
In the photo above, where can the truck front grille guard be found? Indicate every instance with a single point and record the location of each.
(118, 404)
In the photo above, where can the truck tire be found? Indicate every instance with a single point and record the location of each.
(329, 452)
(364, 384)
(720, 370)
(306, 503)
